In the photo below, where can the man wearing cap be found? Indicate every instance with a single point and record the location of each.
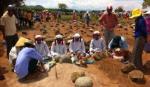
(8, 25)
(15, 50)
(77, 44)
(41, 46)
(27, 60)
(140, 38)
(58, 47)
(97, 43)
(109, 21)
(87, 18)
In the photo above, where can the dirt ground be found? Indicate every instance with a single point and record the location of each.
(99, 77)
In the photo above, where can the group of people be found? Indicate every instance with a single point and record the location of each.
(26, 56)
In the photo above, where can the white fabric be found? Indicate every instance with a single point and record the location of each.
(12, 54)
(76, 35)
(97, 45)
(38, 36)
(10, 24)
(58, 49)
(42, 48)
(77, 46)
(96, 32)
(58, 36)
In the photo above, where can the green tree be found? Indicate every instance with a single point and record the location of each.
(146, 3)
(119, 9)
(62, 6)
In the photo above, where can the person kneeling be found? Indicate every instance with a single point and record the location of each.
(27, 60)
(119, 48)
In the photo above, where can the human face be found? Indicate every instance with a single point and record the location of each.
(96, 36)
(10, 12)
(39, 40)
(59, 40)
(109, 10)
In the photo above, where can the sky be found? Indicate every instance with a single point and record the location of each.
(87, 4)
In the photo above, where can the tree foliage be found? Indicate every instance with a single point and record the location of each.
(146, 3)
(62, 6)
(119, 9)
(5, 3)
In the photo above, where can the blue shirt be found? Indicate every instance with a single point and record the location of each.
(123, 44)
(140, 27)
(23, 59)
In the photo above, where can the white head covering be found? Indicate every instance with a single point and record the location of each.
(148, 12)
(38, 36)
(96, 32)
(76, 35)
(59, 36)
(109, 6)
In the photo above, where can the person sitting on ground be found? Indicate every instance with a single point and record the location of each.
(15, 50)
(119, 42)
(27, 60)
(77, 44)
(97, 43)
(58, 47)
(41, 46)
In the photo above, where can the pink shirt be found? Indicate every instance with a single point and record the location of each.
(109, 21)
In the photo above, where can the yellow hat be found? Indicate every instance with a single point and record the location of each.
(136, 13)
(21, 42)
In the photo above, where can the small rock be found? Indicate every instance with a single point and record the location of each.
(84, 82)
(76, 75)
(128, 68)
(136, 76)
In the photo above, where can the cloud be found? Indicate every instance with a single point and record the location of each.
(87, 4)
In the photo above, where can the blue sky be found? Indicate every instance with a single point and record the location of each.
(87, 4)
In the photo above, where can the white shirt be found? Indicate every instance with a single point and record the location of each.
(58, 49)
(97, 45)
(77, 46)
(9, 23)
(42, 48)
(13, 54)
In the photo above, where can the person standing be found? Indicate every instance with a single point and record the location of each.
(8, 24)
(140, 38)
(109, 21)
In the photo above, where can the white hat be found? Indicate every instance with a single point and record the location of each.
(76, 35)
(96, 32)
(38, 36)
(148, 12)
(59, 36)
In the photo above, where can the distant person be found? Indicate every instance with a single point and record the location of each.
(27, 60)
(8, 24)
(74, 16)
(97, 43)
(140, 38)
(109, 21)
(77, 44)
(87, 18)
(41, 46)
(58, 47)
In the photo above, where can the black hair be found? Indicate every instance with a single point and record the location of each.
(116, 42)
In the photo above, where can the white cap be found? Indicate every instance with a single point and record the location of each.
(76, 35)
(59, 36)
(96, 32)
(38, 36)
(148, 12)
